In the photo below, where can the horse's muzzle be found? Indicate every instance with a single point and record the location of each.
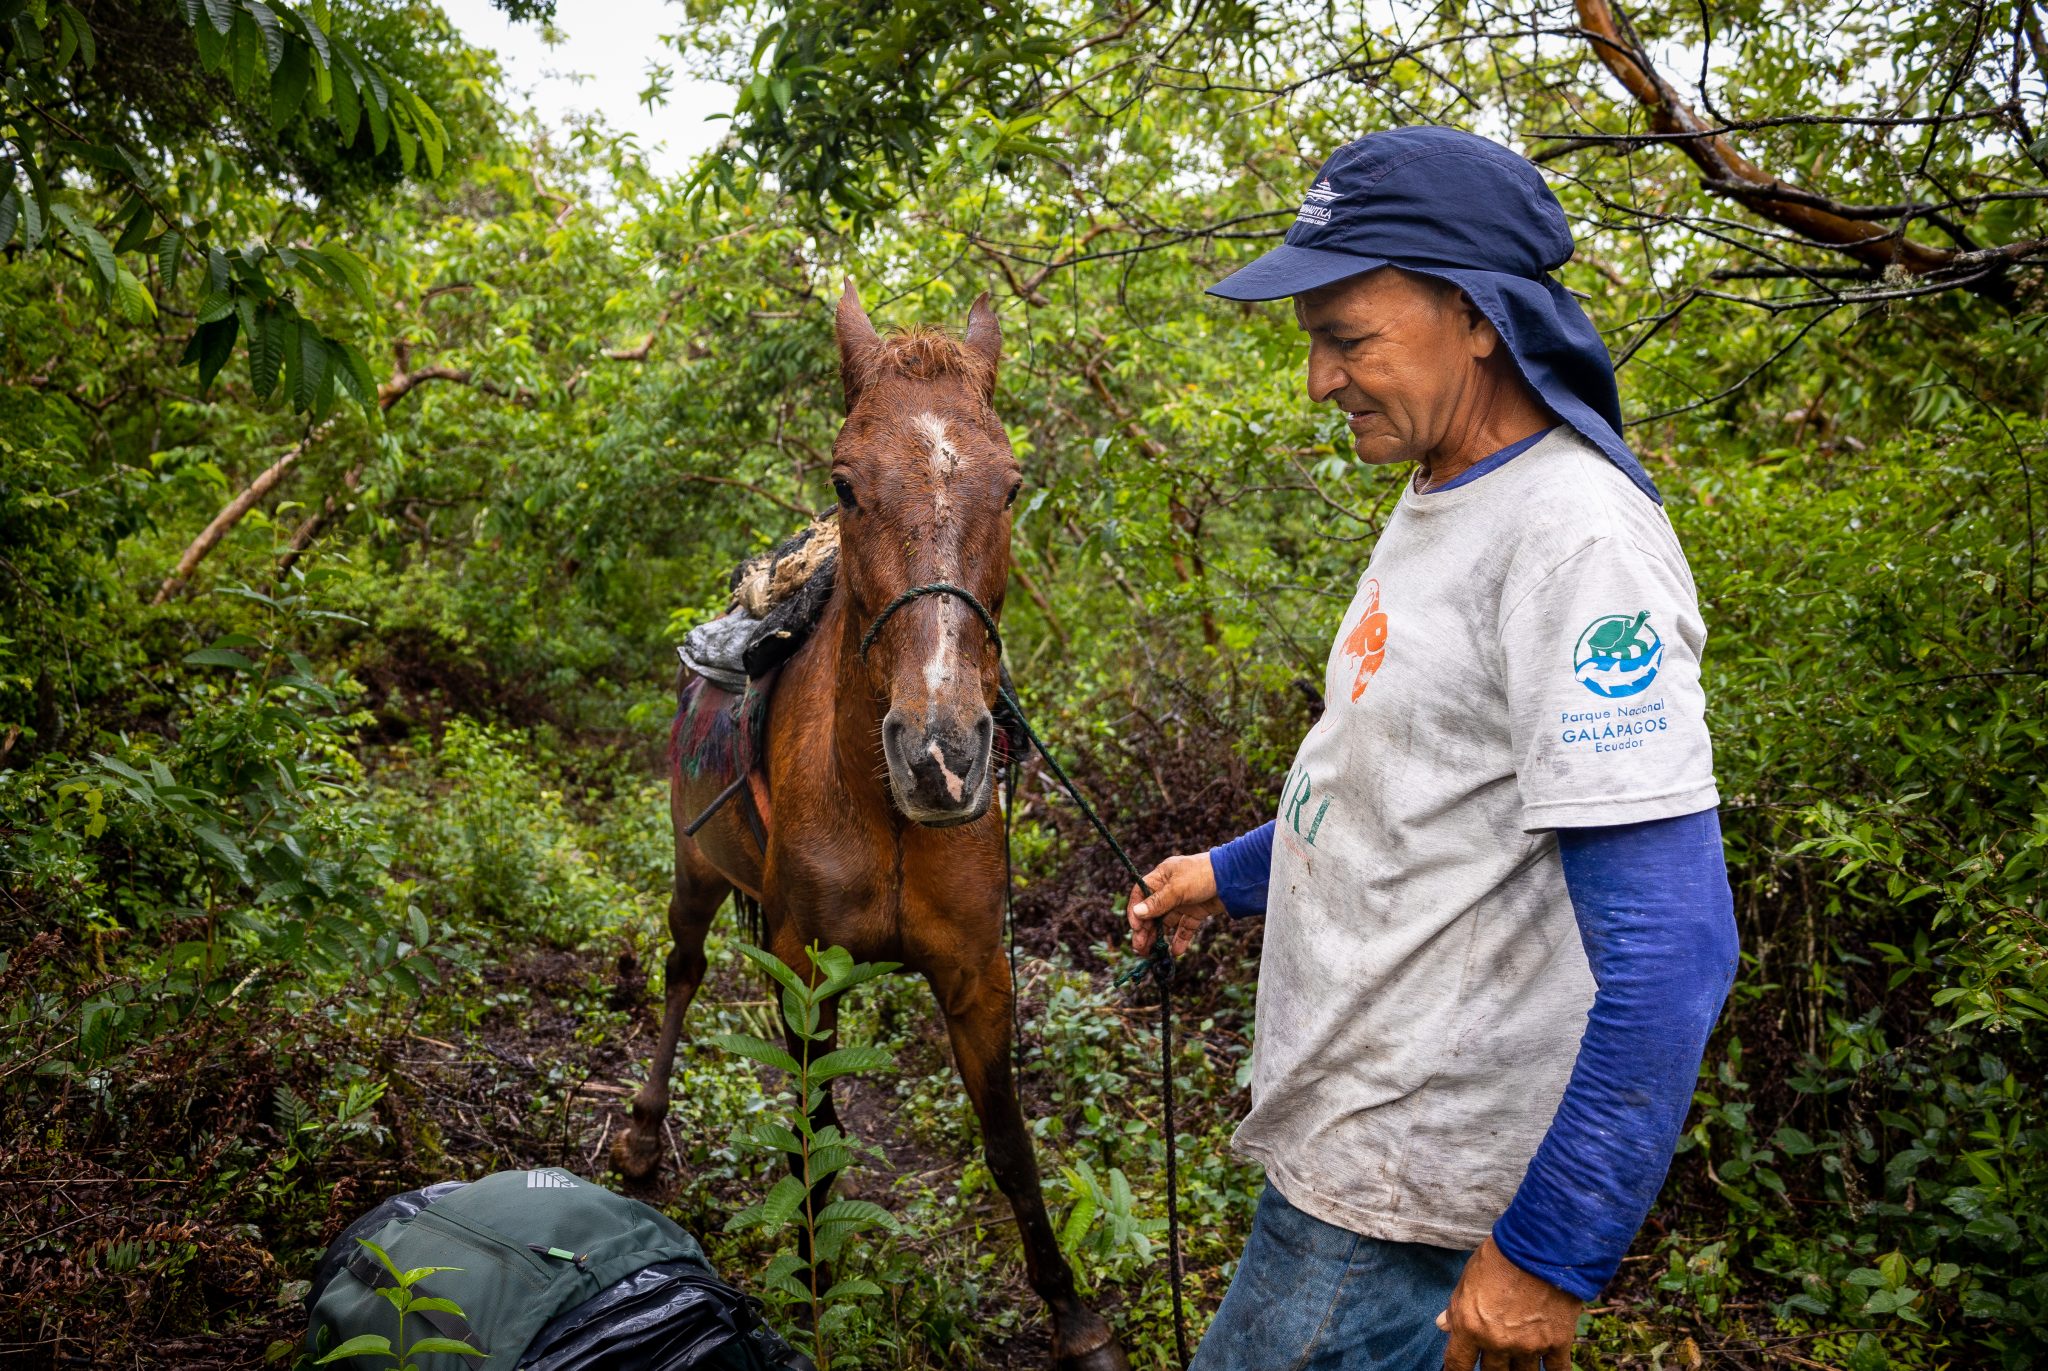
(940, 775)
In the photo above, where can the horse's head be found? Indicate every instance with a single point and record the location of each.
(925, 477)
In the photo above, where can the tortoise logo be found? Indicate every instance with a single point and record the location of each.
(1367, 640)
(1618, 655)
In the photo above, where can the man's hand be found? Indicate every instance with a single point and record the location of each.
(1183, 898)
(1515, 1321)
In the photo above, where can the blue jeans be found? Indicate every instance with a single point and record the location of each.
(1309, 1296)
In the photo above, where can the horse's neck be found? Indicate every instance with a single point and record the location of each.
(853, 720)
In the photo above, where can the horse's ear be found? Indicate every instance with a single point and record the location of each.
(985, 336)
(858, 344)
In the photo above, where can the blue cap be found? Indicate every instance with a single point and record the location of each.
(1464, 209)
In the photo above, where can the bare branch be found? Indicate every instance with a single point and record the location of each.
(1729, 173)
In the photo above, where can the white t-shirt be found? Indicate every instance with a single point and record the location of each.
(1522, 653)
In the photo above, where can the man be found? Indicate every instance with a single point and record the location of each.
(1498, 923)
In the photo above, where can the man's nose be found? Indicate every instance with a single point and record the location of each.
(1325, 377)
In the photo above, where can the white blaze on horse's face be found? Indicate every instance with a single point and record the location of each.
(945, 460)
(925, 476)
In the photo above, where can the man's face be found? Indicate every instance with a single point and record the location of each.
(1399, 355)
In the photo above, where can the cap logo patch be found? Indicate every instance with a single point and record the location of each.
(1315, 206)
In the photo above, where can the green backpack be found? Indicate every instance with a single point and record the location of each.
(531, 1251)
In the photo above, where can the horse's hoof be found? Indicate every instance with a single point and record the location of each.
(1108, 1357)
(635, 1155)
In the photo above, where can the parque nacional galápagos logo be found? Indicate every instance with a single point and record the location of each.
(1618, 655)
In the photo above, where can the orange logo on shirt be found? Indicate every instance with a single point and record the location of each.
(1367, 641)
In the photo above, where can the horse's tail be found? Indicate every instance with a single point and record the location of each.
(752, 924)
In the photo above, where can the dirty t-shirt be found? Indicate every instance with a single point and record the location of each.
(1522, 654)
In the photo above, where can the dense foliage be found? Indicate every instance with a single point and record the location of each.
(333, 843)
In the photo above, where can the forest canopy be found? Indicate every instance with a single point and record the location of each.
(366, 445)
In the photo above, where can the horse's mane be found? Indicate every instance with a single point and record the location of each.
(925, 353)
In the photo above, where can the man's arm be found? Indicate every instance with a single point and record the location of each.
(1657, 920)
(1658, 923)
(1244, 866)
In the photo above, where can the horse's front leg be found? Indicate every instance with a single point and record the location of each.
(976, 1003)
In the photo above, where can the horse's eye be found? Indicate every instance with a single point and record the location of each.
(844, 489)
(1011, 498)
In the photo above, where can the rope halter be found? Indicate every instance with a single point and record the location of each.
(988, 620)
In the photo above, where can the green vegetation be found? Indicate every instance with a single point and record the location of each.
(353, 486)
(815, 1154)
(406, 1302)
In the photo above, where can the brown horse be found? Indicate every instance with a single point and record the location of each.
(878, 763)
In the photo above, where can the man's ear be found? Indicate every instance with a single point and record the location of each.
(1484, 337)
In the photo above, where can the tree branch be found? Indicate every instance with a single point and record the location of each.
(1731, 174)
(401, 384)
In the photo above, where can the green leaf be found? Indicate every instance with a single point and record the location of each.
(780, 1274)
(453, 1346)
(345, 104)
(212, 42)
(755, 1049)
(413, 1275)
(432, 1304)
(828, 1161)
(219, 656)
(67, 42)
(132, 298)
(778, 1136)
(1078, 1220)
(380, 122)
(224, 846)
(82, 31)
(222, 13)
(170, 255)
(288, 84)
(245, 43)
(309, 377)
(97, 249)
(354, 374)
(361, 1345)
(850, 1287)
(773, 965)
(31, 220)
(408, 146)
(835, 963)
(211, 347)
(135, 232)
(266, 351)
(782, 1202)
(272, 31)
(848, 1060)
(352, 269)
(10, 213)
(861, 1213)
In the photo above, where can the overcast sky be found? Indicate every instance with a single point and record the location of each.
(602, 68)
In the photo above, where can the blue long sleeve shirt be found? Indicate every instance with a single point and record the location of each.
(1656, 917)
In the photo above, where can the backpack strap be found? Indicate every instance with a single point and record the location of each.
(367, 1269)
